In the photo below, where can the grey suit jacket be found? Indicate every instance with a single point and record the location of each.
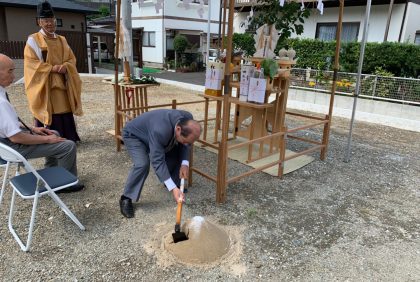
(156, 129)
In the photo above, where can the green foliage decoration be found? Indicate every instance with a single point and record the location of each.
(270, 67)
(287, 19)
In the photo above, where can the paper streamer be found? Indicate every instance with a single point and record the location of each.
(200, 10)
(320, 7)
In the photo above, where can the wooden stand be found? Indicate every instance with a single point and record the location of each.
(130, 101)
(272, 113)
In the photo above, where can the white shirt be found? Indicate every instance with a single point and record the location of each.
(9, 123)
(169, 183)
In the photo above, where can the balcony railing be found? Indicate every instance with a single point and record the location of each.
(241, 3)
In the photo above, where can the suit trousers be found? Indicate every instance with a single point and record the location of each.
(61, 154)
(139, 154)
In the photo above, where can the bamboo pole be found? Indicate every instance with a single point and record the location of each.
(326, 133)
(222, 155)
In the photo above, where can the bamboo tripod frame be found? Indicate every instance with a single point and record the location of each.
(223, 110)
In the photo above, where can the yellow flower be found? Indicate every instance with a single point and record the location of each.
(339, 83)
(311, 83)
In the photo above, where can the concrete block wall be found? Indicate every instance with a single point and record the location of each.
(381, 112)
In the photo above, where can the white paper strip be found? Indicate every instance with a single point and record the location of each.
(200, 10)
(320, 7)
(158, 6)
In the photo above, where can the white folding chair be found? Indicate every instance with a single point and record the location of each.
(34, 184)
(6, 166)
(3, 164)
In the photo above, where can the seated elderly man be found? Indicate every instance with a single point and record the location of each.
(35, 142)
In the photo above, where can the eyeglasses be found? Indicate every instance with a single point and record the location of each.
(48, 20)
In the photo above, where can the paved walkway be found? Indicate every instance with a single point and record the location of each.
(196, 78)
(299, 99)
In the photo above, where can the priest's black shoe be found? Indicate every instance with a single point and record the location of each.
(126, 207)
(72, 189)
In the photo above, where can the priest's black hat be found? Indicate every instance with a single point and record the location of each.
(45, 10)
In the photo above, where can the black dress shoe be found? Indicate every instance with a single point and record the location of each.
(126, 207)
(71, 189)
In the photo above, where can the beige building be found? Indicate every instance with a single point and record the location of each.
(18, 17)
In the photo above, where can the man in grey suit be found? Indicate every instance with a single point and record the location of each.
(162, 138)
(34, 142)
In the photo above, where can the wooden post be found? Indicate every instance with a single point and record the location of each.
(327, 126)
(222, 156)
(224, 24)
(206, 118)
(116, 86)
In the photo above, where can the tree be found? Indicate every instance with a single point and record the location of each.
(104, 11)
(180, 44)
(287, 19)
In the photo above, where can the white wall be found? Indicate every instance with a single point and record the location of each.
(173, 16)
(174, 8)
(412, 23)
(150, 22)
(377, 23)
(380, 112)
(237, 21)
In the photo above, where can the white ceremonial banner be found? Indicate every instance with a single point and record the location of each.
(256, 90)
(247, 71)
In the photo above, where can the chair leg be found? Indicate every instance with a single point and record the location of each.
(66, 210)
(3, 186)
(31, 224)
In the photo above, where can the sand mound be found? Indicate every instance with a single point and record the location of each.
(207, 242)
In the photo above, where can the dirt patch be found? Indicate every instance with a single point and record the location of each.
(207, 242)
(330, 220)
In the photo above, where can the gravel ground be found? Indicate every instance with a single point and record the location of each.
(330, 220)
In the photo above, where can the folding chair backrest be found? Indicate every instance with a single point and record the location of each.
(9, 155)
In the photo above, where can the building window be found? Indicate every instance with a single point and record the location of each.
(417, 38)
(149, 39)
(327, 31)
(59, 22)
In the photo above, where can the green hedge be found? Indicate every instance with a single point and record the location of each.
(400, 59)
